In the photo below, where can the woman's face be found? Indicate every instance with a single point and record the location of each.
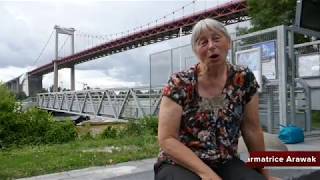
(212, 47)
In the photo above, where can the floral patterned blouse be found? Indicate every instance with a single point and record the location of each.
(210, 127)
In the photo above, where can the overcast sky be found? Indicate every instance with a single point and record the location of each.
(26, 26)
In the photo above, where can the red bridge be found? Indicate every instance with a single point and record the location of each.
(229, 13)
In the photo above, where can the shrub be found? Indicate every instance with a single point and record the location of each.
(135, 127)
(151, 124)
(8, 128)
(146, 125)
(84, 132)
(34, 127)
(7, 100)
(110, 132)
(36, 123)
(59, 132)
(20, 95)
(31, 127)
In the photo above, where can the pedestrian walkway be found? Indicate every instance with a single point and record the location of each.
(102, 172)
(143, 169)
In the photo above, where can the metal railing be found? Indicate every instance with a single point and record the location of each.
(121, 103)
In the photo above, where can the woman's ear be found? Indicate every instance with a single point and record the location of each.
(229, 43)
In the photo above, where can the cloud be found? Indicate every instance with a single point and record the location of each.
(26, 27)
(92, 78)
(11, 72)
(133, 64)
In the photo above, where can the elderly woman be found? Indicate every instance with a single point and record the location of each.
(202, 112)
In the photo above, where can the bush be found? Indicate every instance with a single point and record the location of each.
(134, 127)
(7, 100)
(146, 125)
(63, 131)
(34, 127)
(31, 127)
(21, 96)
(110, 132)
(151, 124)
(84, 132)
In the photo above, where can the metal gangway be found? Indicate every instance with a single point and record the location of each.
(111, 104)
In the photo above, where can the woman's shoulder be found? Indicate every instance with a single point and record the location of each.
(180, 86)
(244, 78)
(184, 77)
(241, 75)
(239, 68)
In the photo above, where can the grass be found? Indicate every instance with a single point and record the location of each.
(36, 160)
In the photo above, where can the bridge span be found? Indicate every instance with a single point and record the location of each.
(228, 13)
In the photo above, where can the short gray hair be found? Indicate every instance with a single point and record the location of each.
(204, 25)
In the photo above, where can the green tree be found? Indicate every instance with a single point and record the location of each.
(269, 13)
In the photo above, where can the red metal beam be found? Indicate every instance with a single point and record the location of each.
(227, 13)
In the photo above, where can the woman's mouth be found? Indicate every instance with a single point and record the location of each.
(214, 56)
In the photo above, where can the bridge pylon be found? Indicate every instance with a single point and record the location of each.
(70, 32)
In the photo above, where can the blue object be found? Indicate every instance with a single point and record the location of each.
(291, 134)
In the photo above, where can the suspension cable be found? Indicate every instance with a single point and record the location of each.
(64, 43)
(45, 46)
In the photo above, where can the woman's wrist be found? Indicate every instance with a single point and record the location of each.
(263, 171)
(209, 175)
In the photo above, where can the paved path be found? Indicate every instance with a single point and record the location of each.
(124, 171)
(142, 170)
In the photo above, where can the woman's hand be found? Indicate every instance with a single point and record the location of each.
(265, 172)
(210, 176)
(273, 178)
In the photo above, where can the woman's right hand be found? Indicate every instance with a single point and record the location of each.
(210, 176)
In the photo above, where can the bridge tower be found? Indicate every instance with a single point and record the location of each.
(70, 32)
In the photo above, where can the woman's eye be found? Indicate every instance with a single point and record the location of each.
(203, 42)
(216, 39)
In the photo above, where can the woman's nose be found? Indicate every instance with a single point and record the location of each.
(211, 44)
